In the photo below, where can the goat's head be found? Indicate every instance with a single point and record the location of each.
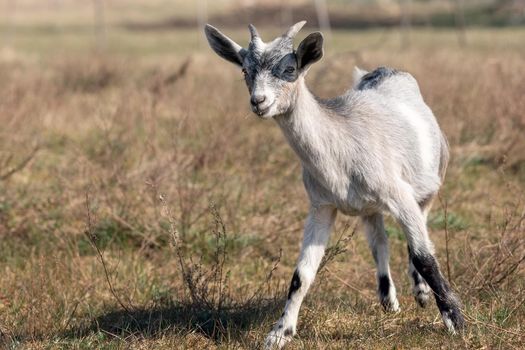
(272, 69)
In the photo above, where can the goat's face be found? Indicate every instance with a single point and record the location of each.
(271, 70)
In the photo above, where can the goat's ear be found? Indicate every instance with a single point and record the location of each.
(310, 50)
(224, 46)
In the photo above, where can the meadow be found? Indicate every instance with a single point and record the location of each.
(143, 206)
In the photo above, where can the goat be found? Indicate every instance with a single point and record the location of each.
(375, 149)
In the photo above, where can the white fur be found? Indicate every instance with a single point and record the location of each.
(261, 88)
(420, 126)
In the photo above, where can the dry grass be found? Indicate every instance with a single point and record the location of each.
(116, 154)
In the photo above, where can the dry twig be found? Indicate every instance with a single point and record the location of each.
(93, 241)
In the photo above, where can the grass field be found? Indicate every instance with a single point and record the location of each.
(143, 206)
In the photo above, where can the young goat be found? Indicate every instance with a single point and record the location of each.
(375, 149)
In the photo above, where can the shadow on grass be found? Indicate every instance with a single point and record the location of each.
(224, 324)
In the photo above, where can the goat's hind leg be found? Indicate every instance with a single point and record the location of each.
(420, 288)
(407, 212)
(316, 233)
(378, 243)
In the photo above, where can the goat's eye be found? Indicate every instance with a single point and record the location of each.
(290, 69)
(244, 72)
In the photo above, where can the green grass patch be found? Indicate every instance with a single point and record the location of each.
(395, 233)
(450, 221)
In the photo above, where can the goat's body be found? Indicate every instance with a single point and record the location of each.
(357, 147)
(375, 149)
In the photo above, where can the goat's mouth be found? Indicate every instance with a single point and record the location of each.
(261, 112)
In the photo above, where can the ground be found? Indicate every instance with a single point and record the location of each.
(143, 206)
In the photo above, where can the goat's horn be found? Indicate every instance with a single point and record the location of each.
(253, 31)
(293, 30)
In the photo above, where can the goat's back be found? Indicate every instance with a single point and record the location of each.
(387, 110)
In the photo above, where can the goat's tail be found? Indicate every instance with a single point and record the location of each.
(444, 157)
(357, 74)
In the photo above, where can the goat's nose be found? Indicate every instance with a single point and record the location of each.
(257, 99)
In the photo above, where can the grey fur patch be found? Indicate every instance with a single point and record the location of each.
(280, 61)
(373, 79)
(286, 68)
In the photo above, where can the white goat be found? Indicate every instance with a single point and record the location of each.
(375, 149)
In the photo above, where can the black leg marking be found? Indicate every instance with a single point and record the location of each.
(415, 275)
(295, 285)
(421, 295)
(383, 289)
(384, 286)
(447, 303)
(427, 266)
(288, 332)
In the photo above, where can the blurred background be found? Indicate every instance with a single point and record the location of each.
(27, 26)
(142, 205)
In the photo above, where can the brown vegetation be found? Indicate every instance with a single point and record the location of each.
(143, 206)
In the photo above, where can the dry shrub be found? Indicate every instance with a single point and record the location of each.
(497, 261)
(212, 304)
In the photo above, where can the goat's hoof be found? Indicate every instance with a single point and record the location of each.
(422, 298)
(453, 320)
(390, 304)
(422, 294)
(278, 337)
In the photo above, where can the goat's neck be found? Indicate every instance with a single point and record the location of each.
(307, 126)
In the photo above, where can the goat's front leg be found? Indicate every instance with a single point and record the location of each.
(316, 233)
